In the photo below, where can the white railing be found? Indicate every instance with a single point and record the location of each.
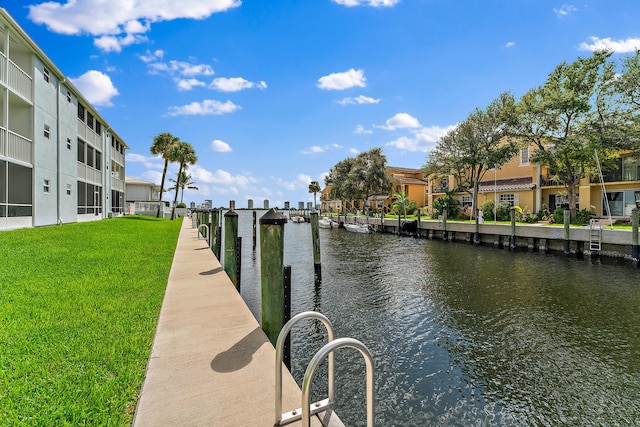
(3, 142)
(19, 81)
(115, 155)
(117, 184)
(18, 147)
(82, 171)
(3, 67)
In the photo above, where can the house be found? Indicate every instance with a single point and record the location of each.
(138, 190)
(60, 161)
(405, 180)
(532, 186)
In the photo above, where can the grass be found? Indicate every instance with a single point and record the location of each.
(79, 305)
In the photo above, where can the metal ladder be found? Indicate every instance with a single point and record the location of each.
(306, 408)
(595, 234)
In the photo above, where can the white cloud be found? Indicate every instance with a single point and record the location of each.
(182, 68)
(401, 121)
(372, 3)
(358, 100)
(321, 149)
(152, 56)
(220, 146)
(361, 130)
(510, 44)
(422, 140)
(96, 87)
(122, 20)
(204, 108)
(618, 46)
(564, 10)
(354, 151)
(188, 84)
(154, 162)
(341, 81)
(234, 84)
(222, 178)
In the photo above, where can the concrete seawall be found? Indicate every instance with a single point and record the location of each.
(536, 237)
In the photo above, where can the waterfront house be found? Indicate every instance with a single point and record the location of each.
(60, 161)
(532, 186)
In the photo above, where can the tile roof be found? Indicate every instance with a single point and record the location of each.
(524, 183)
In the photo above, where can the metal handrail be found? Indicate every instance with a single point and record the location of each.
(200, 232)
(328, 349)
(296, 414)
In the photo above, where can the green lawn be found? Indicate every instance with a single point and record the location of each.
(79, 305)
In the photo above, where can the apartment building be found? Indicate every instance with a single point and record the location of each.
(532, 186)
(60, 161)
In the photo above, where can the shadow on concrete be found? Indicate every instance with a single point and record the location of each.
(210, 272)
(240, 354)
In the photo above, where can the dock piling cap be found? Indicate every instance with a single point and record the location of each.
(273, 217)
(231, 213)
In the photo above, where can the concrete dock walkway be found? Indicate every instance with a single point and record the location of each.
(211, 363)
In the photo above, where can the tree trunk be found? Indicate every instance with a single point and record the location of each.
(175, 198)
(164, 174)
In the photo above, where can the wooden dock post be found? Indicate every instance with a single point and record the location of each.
(315, 234)
(230, 246)
(254, 229)
(512, 238)
(567, 220)
(215, 237)
(634, 234)
(272, 273)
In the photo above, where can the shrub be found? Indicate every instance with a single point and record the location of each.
(525, 215)
(503, 211)
(584, 216)
(487, 209)
(181, 205)
(447, 203)
(558, 216)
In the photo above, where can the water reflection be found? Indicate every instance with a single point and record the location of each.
(465, 335)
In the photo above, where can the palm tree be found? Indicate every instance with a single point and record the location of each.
(184, 154)
(314, 188)
(183, 182)
(400, 203)
(163, 144)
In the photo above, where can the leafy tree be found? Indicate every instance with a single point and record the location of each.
(314, 188)
(578, 111)
(447, 204)
(162, 146)
(184, 182)
(482, 141)
(184, 154)
(359, 177)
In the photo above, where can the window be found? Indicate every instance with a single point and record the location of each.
(81, 148)
(467, 201)
(47, 76)
(68, 189)
(68, 143)
(90, 156)
(20, 190)
(80, 111)
(89, 120)
(98, 160)
(512, 199)
(98, 128)
(524, 156)
(47, 186)
(47, 131)
(68, 96)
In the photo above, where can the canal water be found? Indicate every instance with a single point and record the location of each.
(463, 335)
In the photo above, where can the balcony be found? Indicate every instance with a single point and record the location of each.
(15, 146)
(15, 78)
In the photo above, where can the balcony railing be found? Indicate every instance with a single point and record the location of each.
(15, 146)
(16, 78)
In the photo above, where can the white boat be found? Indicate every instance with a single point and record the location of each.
(296, 219)
(358, 228)
(327, 222)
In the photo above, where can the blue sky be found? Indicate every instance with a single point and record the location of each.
(271, 94)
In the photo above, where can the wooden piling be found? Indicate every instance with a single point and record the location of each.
(215, 235)
(272, 272)
(567, 221)
(230, 243)
(634, 234)
(512, 238)
(315, 235)
(254, 222)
